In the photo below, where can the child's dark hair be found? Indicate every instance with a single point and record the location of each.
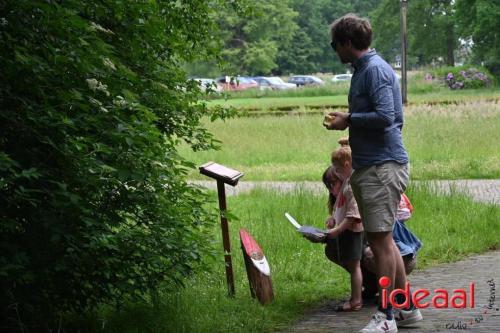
(329, 179)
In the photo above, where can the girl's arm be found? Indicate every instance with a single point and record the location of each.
(330, 222)
(345, 224)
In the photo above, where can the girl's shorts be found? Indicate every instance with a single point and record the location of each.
(348, 246)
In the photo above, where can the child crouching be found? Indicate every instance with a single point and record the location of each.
(344, 243)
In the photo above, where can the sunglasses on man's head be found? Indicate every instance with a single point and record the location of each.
(334, 45)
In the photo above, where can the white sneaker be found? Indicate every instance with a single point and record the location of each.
(380, 324)
(405, 318)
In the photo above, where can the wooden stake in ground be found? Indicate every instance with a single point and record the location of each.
(258, 271)
(223, 175)
(404, 51)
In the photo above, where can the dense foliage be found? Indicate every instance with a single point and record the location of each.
(478, 20)
(94, 206)
(281, 37)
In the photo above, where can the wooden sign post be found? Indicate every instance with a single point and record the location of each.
(223, 175)
(404, 50)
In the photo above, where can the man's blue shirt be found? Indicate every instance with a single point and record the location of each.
(376, 113)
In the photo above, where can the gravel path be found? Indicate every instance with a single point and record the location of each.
(482, 190)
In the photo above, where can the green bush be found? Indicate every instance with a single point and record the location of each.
(470, 76)
(94, 206)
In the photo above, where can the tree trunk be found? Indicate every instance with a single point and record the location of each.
(450, 45)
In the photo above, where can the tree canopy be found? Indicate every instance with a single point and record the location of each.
(478, 21)
(292, 37)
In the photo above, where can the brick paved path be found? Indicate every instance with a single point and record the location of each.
(487, 190)
(479, 269)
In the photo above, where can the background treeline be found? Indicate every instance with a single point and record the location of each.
(283, 37)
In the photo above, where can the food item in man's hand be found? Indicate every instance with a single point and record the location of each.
(328, 120)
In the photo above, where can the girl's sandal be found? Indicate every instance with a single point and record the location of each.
(349, 307)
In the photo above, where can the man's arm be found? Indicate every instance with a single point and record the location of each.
(381, 97)
(379, 89)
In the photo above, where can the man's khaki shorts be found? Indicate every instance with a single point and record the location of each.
(377, 190)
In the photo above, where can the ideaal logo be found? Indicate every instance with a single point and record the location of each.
(487, 310)
(440, 299)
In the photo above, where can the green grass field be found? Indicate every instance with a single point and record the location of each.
(449, 227)
(297, 100)
(444, 142)
(328, 89)
(293, 102)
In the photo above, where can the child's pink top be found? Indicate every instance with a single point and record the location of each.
(346, 206)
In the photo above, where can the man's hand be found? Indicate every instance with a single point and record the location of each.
(339, 122)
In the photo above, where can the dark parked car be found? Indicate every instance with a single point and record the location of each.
(305, 80)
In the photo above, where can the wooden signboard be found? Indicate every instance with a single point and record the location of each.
(220, 172)
(258, 271)
(223, 175)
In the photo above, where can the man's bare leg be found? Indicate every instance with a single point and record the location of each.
(400, 277)
(381, 244)
(388, 259)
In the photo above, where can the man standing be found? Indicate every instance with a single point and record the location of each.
(379, 159)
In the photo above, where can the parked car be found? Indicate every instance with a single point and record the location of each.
(236, 83)
(305, 80)
(206, 84)
(274, 83)
(341, 78)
